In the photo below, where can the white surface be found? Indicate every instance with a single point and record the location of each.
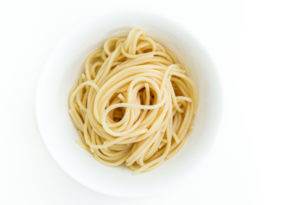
(61, 72)
(251, 43)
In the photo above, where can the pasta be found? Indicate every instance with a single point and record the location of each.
(134, 103)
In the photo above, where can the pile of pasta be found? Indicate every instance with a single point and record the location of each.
(134, 104)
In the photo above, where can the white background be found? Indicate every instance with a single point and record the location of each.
(251, 43)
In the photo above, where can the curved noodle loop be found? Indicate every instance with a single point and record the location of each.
(134, 104)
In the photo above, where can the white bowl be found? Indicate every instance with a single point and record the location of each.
(60, 137)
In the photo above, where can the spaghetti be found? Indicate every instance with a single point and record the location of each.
(134, 104)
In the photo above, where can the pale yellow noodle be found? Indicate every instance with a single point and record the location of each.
(134, 104)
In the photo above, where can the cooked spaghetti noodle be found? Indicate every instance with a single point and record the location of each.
(134, 104)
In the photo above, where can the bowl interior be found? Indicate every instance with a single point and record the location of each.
(60, 137)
